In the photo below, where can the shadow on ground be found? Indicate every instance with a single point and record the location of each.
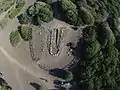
(35, 85)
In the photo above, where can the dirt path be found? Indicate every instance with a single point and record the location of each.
(26, 69)
(11, 59)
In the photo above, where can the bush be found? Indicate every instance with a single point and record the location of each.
(45, 14)
(36, 13)
(31, 10)
(91, 49)
(86, 16)
(26, 33)
(89, 34)
(107, 36)
(71, 17)
(14, 38)
(24, 18)
(69, 11)
(102, 70)
(113, 23)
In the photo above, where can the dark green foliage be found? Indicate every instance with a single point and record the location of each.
(36, 13)
(91, 45)
(26, 33)
(101, 46)
(107, 37)
(113, 6)
(118, 42)
(89, 33)
(91, 48)
(24, 18)
(71, 17)
(102, 74)
(69, 11)
(45, 14)
(31, 10)
(86, 16)
(113, 23)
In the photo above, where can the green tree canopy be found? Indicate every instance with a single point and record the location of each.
(24, 18)
(107, 36)
(69, 11)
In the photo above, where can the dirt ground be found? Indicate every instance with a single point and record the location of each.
(48, 48)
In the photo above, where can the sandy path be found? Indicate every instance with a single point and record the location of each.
(11, 59)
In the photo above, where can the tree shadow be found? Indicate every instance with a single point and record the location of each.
(2, 81)
(77, 51)
(35, 85)
(58, 14)
(60, 73)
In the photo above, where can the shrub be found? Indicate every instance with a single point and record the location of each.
(26, 33)
(45, 14)
(107, 36)
(91, 49)
(113, 23)
(89, 33)
(36, 13)
(86, 16)
(14, 38)
(69, 11)
(31, 10)
(71, 17)
(24, 18)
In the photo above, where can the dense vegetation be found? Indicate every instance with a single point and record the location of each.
(37, 13)
(101, 68)
(69, 10)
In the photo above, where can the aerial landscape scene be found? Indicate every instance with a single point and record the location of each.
(59, 44)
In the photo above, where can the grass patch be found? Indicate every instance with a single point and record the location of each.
(26, 33)
(17, 9)
(14, 38)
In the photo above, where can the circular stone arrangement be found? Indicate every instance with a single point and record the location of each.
(48, 46)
